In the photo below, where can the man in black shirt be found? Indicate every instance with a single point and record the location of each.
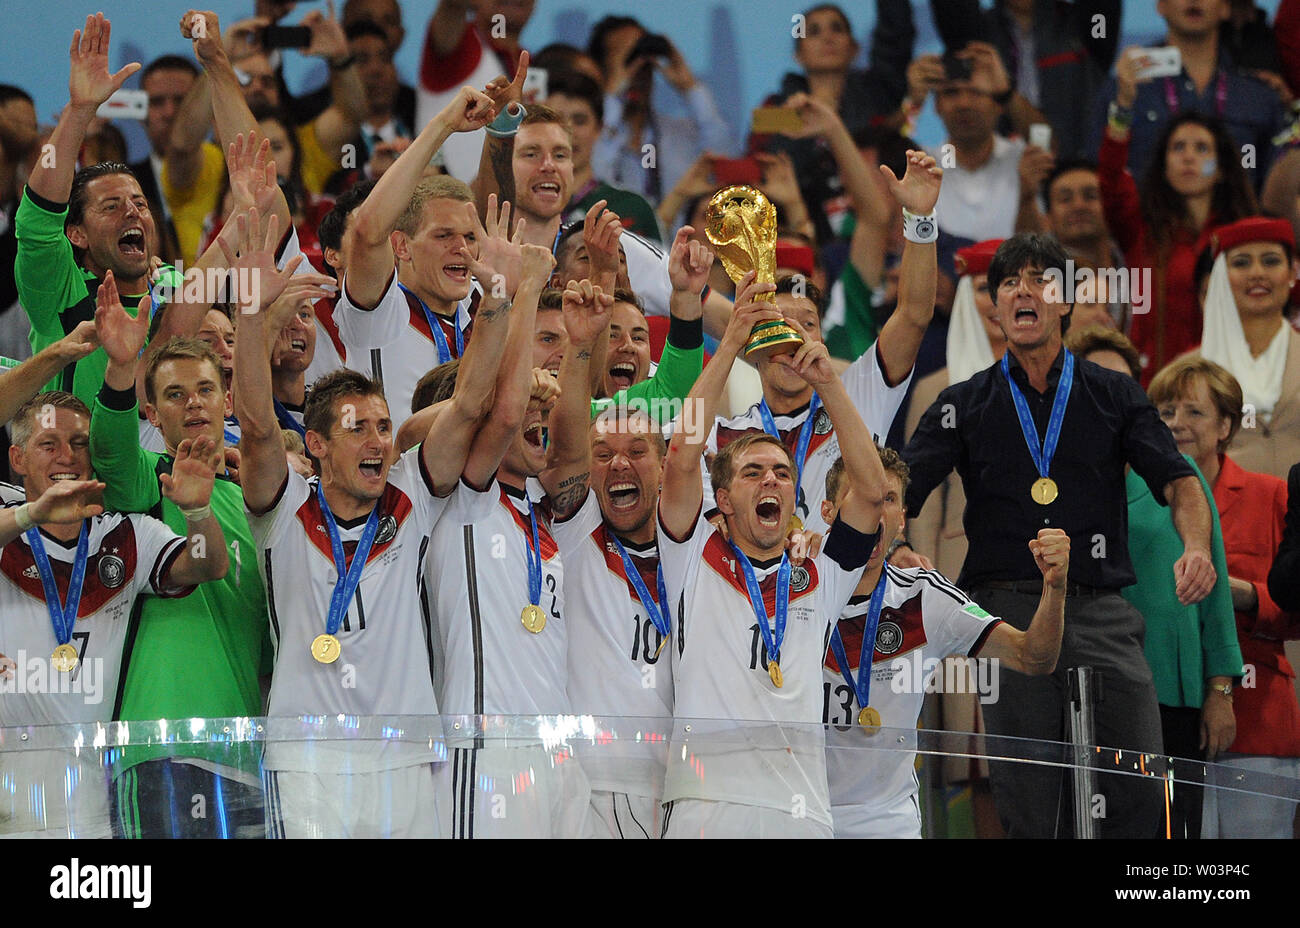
(1040, 440)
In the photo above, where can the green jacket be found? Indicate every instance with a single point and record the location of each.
(1185, 645)
(661, 395)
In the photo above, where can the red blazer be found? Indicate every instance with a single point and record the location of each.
(1252, 508)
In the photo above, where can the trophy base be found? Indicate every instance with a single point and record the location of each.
(770, 339)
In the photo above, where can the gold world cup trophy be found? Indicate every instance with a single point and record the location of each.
(740, 222)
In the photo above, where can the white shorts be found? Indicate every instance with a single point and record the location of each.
(1226, 813)
(54, 794)
(621, 815)
(399, 803)
(707, 818)
(901, 820)
(514, 792)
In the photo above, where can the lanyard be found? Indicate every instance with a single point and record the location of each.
(1042, 455)
(349, 577)
(659, 612)
(231, 437)
(805, 437)
(287, 421)
(61, 615)
(771, 640)
(534, 554)
(1220, 94)
(440, 340)
(861, 686)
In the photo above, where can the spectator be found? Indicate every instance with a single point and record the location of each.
(1245, 332)
(631, 121)
(1192, 649)
(1072, 194)
(1197, 185)
(460, 51)
(1053, 52)
(1210, 83)
(579, 100)
(1284, 577)
(1286, 30)
(863, 98)
(18, 137)
(167, 80)
(1248, 39)
(560, 56)
(971, 427)
(1200, 401)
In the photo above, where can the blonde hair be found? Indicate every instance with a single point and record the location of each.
(438, 187)
(1177, 381)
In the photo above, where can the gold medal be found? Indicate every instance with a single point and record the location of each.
(1043, 491)
(326, 649)
(663, 641)
(64, 658)
(534, 618)
(796, 525)
(774, 671)
(869, 719)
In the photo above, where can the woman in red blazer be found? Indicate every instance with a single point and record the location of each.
(1201, 403)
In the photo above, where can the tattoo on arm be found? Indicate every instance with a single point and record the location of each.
(584, 355)
(501, 152)
(570, 494)
(488, 314)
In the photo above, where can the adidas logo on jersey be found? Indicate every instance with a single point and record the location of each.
(31, 573)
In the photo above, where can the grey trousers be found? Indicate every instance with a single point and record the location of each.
(1036, 801)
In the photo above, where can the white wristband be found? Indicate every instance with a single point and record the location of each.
(197, 515)
(922, 230)
(23, 516)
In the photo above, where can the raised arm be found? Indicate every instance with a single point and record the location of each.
(89, 85)
(342, 119)
(64, 502)
(682, 493)
(496, 173)
(122, 336)
(20, 384)
(189, 487)
(1194, 573)
(601, 231)
(568, 466)
(900, 339)
(370, 261)
(263, 468)
(1036, 649)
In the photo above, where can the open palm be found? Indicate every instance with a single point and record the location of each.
(121, 336)
(89, 81)
(918, 191)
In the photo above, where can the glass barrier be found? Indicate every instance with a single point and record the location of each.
(585, 776)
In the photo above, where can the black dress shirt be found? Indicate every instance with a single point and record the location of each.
(1108, 422)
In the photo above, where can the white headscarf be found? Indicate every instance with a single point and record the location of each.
(969, 350)
(1223, 341)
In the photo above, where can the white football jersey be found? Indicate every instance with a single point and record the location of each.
(12, 494)
(477, 578)
(876, 402)
(386, 664)
(129, 555)
(616, 668)
(647, 272)
(923, 617)
(393, 342)
(721, 672)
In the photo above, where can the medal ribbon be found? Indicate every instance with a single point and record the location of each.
(659, 612)
(862, 685)
(1042, 455)
(1220, 95)
(61, 615)
(440, 340)
(805, 437)
(771, 641)
(287, 421)
(349, 577)
(534, 554)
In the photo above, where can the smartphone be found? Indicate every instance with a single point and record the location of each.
(775, 120)
(1040, 136)
(286, 37)
(1166, 61)
(125, 104)
(956, 69)
(728, 171)
(535, 84)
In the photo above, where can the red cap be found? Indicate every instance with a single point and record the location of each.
(975, 259)
(1253, 229)
(798, 257)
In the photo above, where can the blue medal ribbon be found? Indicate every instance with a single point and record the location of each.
(440, 340)
(62, 615)
(349, 577)
(231, 437)
(771, 641)
(1042, 455)
(861, 686)
(287, 421)
(534, 554)
(659, 612)
(805, 437)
